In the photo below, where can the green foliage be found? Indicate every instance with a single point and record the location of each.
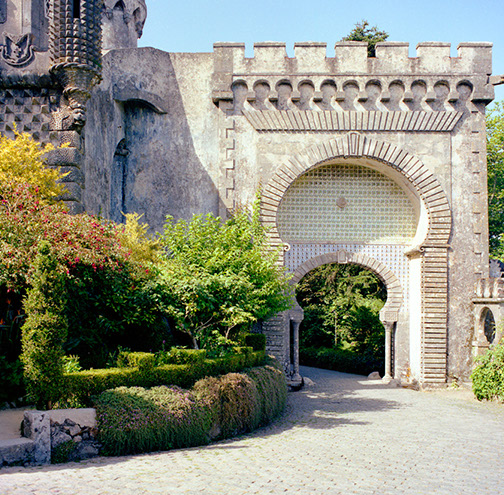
(109, 300)
(177, 355)
(71, 364)
(140, 360)
(11, 378)
(235, 402)
(495, 161)
(220, 277)
(371, 35)
(341, 360)
(341, 305)
(255, 340)
(45, 331)
(488, 376)
(82, 386)
(63, 452)
(134, 420)
(21, 162)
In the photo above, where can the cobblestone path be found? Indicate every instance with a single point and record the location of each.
(342, 434)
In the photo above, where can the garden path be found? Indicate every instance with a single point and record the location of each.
(340, 434)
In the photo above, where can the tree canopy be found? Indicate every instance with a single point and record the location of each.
(371, 35)
(495, 161)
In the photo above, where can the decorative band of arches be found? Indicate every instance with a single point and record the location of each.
(390, 311)
(358, 146)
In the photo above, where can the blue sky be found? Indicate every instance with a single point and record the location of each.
(194, 25)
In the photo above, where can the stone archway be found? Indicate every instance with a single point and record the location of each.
(389, 312)
(431, 250)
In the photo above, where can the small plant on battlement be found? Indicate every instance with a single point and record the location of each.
(371, 35)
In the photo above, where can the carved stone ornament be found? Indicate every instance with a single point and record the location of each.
(17, 50)
(341, 202)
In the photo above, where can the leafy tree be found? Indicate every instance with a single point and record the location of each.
(341, 305)
(220, 277)
(21, 162)
(371, 35)
(495, 160)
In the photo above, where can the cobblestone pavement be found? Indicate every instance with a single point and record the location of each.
(342, 434)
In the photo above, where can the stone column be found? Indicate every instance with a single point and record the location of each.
(295, 365)
(388, 351)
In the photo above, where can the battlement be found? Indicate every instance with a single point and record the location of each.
(351, 58)
(393, 81)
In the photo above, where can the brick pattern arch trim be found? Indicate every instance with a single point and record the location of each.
(354, 145)
(391, 308)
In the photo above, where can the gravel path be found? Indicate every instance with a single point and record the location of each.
(340, 434)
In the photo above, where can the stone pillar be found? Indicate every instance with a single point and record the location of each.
(389, 326)
(296, 377)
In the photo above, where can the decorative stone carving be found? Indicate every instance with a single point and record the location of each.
(17, 50)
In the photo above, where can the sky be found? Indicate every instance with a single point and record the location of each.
(194, 25)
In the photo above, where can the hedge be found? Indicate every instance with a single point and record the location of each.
(340, 360)
(134, 420)
(79, 388)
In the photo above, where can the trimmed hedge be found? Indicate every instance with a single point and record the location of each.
(135, 420)
(488, 376)
(80, 387)
(340, 360)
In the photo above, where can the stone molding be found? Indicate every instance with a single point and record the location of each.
(324, 121)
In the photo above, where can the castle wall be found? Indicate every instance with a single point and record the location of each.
(180, 134)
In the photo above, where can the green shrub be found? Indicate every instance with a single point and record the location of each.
(256, 340)
(141, 360)
(235, 401)
(272, 391)
(71, 364)
(82, 386)
(177, 355)
(243, 350)
(340, 360)
(488, 376)
(134, 420)
(44, 331)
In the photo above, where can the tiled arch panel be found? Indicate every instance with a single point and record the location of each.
(358, 146)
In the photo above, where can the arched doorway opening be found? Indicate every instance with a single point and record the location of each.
(341, 329)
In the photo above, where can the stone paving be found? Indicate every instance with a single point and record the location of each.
(340, 434)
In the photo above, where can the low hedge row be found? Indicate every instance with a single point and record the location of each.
(79, 388)
(135, 420)
(340, 360)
